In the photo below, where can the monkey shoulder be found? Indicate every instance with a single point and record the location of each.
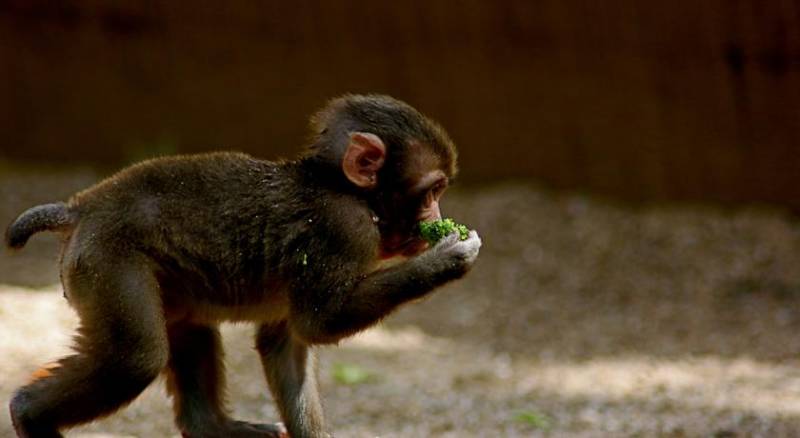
(350, 219)
(339, 236)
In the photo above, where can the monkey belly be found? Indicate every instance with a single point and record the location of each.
(272, 309)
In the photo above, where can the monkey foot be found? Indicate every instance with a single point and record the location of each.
(243, 429)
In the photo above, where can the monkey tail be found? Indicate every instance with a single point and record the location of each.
(42, 217)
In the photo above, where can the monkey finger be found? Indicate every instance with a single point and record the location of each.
(449, 240)
(474, 235)
(471, 247)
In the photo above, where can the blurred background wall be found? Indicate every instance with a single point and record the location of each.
(642, 100)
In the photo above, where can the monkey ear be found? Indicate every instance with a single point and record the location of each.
(363, 159)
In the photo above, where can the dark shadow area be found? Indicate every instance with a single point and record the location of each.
(682, 100)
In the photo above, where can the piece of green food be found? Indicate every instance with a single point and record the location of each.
(434, 231)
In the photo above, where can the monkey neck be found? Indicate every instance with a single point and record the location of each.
(316, 171)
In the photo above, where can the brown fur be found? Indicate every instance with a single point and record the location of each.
(158, 254)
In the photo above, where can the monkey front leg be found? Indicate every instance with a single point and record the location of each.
(290, 368)
(326, 316)
(196, 381)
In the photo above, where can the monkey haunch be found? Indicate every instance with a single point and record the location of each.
(157, 255)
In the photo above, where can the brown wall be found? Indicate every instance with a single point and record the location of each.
(681, 99)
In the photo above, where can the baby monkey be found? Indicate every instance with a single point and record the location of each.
(156, 256)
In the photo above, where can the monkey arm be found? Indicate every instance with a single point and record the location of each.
(290, 368)
(332, 309)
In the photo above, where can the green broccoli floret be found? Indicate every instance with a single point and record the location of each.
(435, 230)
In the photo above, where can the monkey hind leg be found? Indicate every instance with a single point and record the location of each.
(196, 381)
(121, 348)
(80, 389)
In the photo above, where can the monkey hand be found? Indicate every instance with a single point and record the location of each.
(458, 255)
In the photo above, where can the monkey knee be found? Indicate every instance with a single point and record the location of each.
(142, 373)
(143, 365)
(136, 360)
(135, 348)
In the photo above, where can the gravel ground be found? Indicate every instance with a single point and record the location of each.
(582, 318)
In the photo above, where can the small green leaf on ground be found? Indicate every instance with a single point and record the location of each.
(349, 374)
(533, 418)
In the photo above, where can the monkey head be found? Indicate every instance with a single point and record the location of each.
(399, 161)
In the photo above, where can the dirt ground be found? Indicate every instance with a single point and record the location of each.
(582, 318)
